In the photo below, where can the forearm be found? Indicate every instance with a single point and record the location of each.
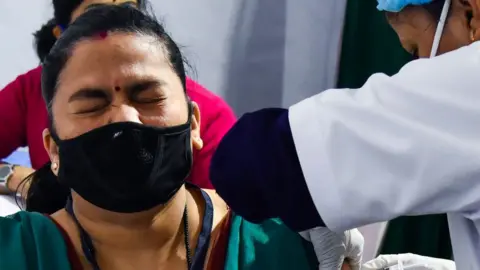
(14, 182)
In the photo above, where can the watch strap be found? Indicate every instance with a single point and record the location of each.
(5, 180)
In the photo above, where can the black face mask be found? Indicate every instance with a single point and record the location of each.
(127, 167)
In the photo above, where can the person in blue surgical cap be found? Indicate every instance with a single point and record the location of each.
(398, 5)
(407, 144)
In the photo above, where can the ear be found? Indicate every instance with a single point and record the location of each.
(473, 13)
(197, 141)
(52, 150)
(57, 31)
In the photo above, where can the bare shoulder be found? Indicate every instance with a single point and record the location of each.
(64, 219)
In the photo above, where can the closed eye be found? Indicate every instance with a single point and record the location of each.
(92, 108)
(148, 92)
(89, 100)
(153, 100)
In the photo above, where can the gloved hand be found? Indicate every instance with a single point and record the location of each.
(409, 260)
(398, 5)
(333, 248)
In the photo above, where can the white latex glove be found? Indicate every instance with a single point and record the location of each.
(409, 261)
(333, 248)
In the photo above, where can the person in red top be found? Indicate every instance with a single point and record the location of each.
(23, 116)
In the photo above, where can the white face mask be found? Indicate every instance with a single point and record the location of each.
(440, 26)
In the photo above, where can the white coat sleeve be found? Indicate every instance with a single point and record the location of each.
(402, 145)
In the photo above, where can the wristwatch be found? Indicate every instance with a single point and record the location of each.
(6, 172)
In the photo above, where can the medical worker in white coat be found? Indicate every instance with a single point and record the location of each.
(402, 145)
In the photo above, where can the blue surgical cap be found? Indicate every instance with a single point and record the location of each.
(398, 5)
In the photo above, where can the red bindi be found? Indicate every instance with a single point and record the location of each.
(103, 34)
(117, 88)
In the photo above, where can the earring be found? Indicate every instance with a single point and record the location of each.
(57, 31)
(54, 166)
(472, 35)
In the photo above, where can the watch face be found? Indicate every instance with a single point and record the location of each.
(4, 172)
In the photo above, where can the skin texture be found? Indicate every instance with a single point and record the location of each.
(416, 27)
(129, 79)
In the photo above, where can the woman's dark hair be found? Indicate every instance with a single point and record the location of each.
(62, 11)
(44, 39)
(45, 193)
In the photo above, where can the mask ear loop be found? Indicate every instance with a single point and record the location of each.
(440, 27)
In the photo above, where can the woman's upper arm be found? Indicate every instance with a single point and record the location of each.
(12, 116)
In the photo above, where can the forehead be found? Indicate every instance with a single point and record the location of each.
(114, 60)
(411, 15)
(86, 4)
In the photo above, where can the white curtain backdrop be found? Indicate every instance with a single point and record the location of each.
(18, 21)
(259, 53)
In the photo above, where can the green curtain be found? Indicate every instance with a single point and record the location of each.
(369, 46)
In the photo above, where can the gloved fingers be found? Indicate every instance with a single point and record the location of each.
(329, 247)
(409, 261)
(305, 235)
(415, 261)
(413, 267)
(355, 262)
(382, 261)
(331, 254)
(354, 248)
(356, 265)
(331, 263)
(333, 248)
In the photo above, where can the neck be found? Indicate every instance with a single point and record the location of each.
(154, 229)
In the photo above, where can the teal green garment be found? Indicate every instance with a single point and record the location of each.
(369, 45)
(270, 245)
(32, 241)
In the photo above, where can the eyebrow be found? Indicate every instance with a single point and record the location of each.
(87, 93)
(132, 90)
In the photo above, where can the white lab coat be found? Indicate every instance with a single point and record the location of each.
(402, 145)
